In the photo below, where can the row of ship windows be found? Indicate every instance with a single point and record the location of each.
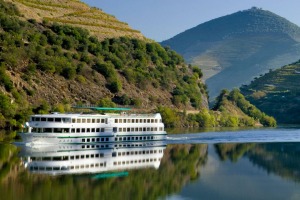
(59, 158)
(139, 152)
(140, 129)
(137, 120)
(90, 120)
(41, 168)
(97, 155)
(136, 161)
(93, 165)
(106, 139)
(93, 130)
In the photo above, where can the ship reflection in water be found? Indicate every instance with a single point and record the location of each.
(93, 158)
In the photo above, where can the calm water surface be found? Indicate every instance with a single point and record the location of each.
(247, 164)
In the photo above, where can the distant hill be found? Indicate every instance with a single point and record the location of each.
(233, 49)
(277, 93)
(76, 13)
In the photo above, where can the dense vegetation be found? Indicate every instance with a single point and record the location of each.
(231, 110)
(277, 93)
(29, 48)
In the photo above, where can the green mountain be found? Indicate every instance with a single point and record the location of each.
(233, 49)
(49, 66)
(277, 93)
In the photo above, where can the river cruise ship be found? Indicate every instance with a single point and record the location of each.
(59, 128)
(110, 159)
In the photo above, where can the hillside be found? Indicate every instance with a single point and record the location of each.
(47, 66)
(76, 13)
(277, 93)
(242, 45)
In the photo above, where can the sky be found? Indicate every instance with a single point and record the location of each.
(162, 19)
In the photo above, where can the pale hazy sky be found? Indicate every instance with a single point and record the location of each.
(163, 19)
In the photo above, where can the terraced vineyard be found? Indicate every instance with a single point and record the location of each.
(76, 13)
(277, 93)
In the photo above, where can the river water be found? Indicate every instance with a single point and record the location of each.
(241, 164)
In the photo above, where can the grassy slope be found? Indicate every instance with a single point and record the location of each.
(277, 93)
(76, 13)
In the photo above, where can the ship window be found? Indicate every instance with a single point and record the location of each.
(47, 130)
(145, 120)
(73, 120)
(97, 130)
(83, 130)
(98, 120)
(50, 119)
(93, 120)
(120, 129)
(125, 121)
(128, 138)
(128, 120)
(152, 120)
(37, 119)
(93, 130)
(48, 168)
(106, 139)
(148, 129)
(98, 139)
(102, 129)
(88, 140)
(102, 139)
(93, 140)
(66, 130)
(88, 120)
(77, 130)
(78, 120)
(140, 129)
(102, 120)
(115, 129)
(116, 120)
(136, 129)
(148, 120)
(144, 129)
(155, 129)
(156, 120)
(83, 120)
(43, 119)
(73, 130)
(57, 119)
(57, 130)
(77, 157)
(33, 119)
(128, 129)
(120, 120)
(83, 140)
(141, 120)
(88, 130)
